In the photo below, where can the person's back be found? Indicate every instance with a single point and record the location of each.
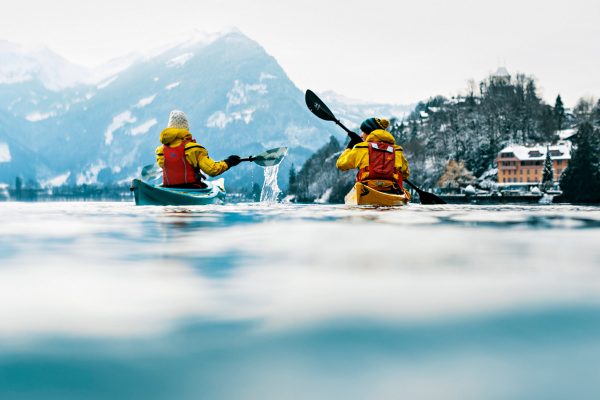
(380, 162)
(182, 159)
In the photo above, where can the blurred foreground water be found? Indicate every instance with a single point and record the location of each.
(113, 301)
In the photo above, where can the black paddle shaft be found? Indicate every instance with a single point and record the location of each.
(348, 131)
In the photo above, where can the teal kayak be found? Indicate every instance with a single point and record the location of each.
(152, 195)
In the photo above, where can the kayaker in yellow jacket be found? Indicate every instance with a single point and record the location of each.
(182, 159)
(380, 161)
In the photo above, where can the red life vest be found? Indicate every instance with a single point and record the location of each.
(176, 169)
(382, 164)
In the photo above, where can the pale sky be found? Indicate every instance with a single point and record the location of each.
(377, 50)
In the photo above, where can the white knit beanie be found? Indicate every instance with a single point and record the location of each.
(177, 119)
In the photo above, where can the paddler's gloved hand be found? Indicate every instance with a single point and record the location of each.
(354, 140)
(232, 160)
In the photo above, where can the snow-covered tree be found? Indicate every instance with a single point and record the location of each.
(548, 173)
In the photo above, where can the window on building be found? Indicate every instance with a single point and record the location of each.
(535, 153)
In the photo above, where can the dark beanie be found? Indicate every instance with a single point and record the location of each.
(370, 124)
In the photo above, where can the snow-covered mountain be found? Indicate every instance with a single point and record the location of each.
(237, 98)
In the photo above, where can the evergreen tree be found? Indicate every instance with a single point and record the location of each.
(596, 113)
(583, 109)
(559, 113)
(397, 129)
(548, 173)
(548, 125)
(580, 182)
(292, 179)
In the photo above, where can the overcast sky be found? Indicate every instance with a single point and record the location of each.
(377, 50)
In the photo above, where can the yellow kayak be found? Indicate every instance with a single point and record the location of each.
(363, 195)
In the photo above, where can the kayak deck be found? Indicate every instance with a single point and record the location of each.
(150, 195)
(363, 195)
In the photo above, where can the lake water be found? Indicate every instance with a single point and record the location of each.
(113, 301)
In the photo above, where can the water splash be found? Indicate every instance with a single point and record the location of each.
(270, 190)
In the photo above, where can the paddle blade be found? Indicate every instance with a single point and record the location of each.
(430, 198)
(270, 157)
(150, 172)
(317, 107)
(425, 197)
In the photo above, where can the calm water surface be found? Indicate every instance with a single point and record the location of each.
(113, 301)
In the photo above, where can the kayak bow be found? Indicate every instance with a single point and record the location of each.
(155, 195)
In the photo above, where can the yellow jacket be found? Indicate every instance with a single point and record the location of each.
(358, 157)
(195, 154)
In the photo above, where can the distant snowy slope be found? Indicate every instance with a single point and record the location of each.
(194, 38)
(20, 64)
(25, 63)
(353, 111)
(111, 68)
(16, 158)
